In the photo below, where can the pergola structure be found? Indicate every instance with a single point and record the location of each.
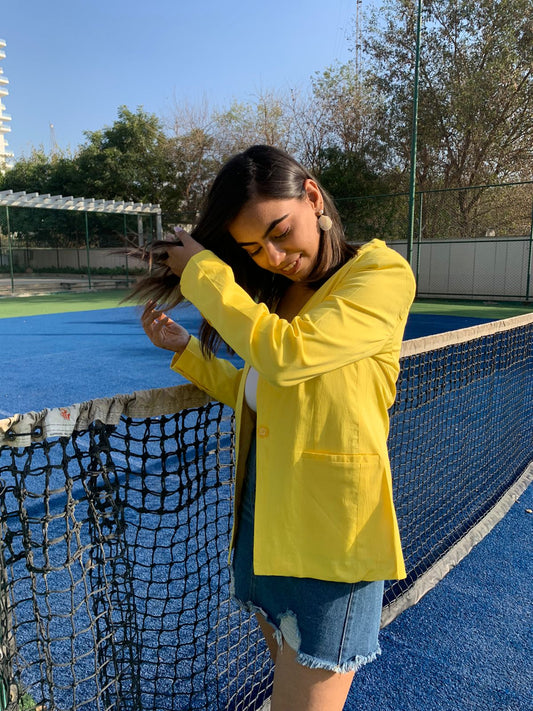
(8, 199)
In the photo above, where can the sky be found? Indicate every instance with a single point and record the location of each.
(72, 63)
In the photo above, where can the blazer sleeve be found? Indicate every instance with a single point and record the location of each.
(216, 376)
(353, 321)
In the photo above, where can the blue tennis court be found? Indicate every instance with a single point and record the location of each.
(466, 645)
(59, 359)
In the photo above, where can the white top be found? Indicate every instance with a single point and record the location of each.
(250, 389)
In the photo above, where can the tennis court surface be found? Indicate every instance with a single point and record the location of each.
(61, 358)
(121, 565)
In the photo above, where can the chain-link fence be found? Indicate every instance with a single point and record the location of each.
(467, 243)
(46, 250)
(450, 214)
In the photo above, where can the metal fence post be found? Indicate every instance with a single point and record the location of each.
(414, 136)
(10, 250)
(419, 235)
(140, 232)
(528, 280)
(87, 248)
(126, 242)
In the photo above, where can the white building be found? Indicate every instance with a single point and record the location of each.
(5, 155)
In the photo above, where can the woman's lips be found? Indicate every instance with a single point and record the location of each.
(293, 267)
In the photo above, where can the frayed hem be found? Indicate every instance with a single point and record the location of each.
(286, 632)
(306, 660)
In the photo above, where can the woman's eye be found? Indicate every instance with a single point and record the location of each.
(256, 252)
(282, 235)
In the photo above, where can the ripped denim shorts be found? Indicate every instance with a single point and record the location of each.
(331, 625)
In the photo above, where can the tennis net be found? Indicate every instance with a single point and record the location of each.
(115, 518)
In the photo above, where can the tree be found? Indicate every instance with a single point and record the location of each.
(265, 121)
(192, 154)
(44, 174)
(203, 139)
(346, 175)
(347, 106)
(128, 160)
(476, 88)
(31, 174)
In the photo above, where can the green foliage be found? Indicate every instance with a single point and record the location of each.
(27, 703)
(126, 161)
(347, 176)
(29, 174)
(475, 94)
(17, 269)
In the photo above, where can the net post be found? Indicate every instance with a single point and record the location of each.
(8, 688)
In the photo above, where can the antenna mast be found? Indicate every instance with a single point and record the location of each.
(53, 142)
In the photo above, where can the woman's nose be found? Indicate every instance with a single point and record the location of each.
(274, 254)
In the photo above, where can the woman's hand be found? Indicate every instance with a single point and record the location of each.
(163, 331)
(178, 256)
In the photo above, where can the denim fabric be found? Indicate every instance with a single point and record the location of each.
(331, 625)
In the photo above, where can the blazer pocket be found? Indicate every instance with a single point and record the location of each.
(340, 493)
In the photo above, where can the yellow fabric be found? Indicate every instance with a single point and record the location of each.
(324, 505)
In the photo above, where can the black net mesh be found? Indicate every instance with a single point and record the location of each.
(114, 552)
(114, 581)
(460, 437)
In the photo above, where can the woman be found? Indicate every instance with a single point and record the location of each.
(319, 325)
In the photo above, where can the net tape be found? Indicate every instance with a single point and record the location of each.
(116, 517)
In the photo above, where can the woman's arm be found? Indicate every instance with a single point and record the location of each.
(355, 320)
(216, 376)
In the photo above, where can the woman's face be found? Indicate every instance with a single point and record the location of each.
(281, 236)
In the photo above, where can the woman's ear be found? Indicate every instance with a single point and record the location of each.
(314, 196)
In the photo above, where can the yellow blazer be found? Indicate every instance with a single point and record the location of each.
(324, 505)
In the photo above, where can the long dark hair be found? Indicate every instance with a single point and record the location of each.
(260, 171)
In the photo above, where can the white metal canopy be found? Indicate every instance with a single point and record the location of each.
(77, 204)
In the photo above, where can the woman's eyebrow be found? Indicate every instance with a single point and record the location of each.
(268, 230)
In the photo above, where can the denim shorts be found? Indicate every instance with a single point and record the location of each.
(331, 625)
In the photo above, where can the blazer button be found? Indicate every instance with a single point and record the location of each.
(262, 431)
